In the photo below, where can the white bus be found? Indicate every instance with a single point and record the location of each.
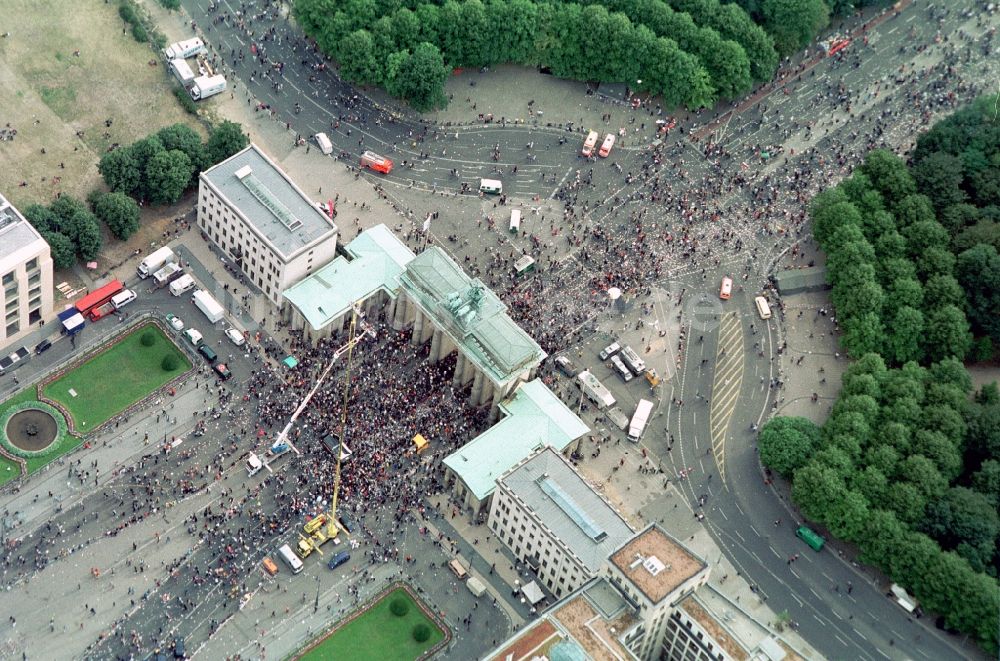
(292, 560)
(491, 186)
(763, 309)
(515, 221)
(609, 142)
(639, 420)
(589, 144)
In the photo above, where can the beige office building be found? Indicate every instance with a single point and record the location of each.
(26, 275)
(263, 222)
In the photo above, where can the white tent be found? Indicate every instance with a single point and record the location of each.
(533, 592)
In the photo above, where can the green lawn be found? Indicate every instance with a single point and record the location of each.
(116, 378)
(378, 635)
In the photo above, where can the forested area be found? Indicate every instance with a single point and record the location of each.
(907, 467)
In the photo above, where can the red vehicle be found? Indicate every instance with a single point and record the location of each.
(373, 161)
(91, 304)
(835, 45)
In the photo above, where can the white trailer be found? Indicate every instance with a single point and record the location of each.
(181, 285)
(182, 71)
(168, 274)
(155, 261)
(206, 86)
(204, 302)
(185, 49)
(324, 143)
(476, 587)
(595, 390)
(639, 420)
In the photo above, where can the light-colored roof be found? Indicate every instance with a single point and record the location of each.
(16, 232)
(377, 260)
(565, 504)
(269, 201)
(794, 281)
(533, 418)
(472, 315)
(656, 563)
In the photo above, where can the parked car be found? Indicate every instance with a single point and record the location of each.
(193, 336)
(235, 336)
(175, 322)
(346, 523)
(338, 559)
(42, 346)
(610, 350)
(222, 371)
(208, 353)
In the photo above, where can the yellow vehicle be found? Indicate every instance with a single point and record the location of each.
(318, 531)
(653, 378)
(314, 524)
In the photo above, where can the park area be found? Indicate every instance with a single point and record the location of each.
(122, 374)
(68, 71)
(385, 631)
(9, 468)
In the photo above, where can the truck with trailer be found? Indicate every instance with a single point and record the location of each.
(98, 302)
(205, 86)
(639, 420)
(155, 261)
(595, 391)
(185, 49)
(373, 161)
(208, 305)
(182, 71)
(167, 274)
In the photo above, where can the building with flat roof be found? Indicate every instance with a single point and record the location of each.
(459, 313)
(532, 418)
(259, 217)
(547, 514)
(613, 618)
(655, 571)
(25, 275)
(320, 304)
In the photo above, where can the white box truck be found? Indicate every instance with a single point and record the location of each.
(206, 86)
(181, 285)
(324, 143)
(155, 261)
(182, 71)
(639, 420)
(595, 390)
(185, 49)
(476, 586)
(204, 302)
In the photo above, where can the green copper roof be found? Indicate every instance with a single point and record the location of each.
(471, 314)
(377, 258)
(533, 418)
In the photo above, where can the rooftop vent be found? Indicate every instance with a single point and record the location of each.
(653, 565)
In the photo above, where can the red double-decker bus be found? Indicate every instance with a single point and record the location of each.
(95, 299)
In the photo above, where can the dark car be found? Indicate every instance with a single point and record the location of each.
(178, 648)
(42, 347)
(208, 353)
(222, 370)
(338, 559)
(346, 523)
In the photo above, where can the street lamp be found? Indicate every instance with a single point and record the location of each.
(316, 603)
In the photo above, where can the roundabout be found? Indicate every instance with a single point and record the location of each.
(32, 430)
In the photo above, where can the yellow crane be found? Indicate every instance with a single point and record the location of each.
(323, 527)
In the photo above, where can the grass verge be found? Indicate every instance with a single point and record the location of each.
(9, 469)
(378, 635)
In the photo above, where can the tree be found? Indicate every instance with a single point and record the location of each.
(922, 235)
(118, 211)
(915, 208)
(939, 176)
(889, 175)
(942, 290)
(420, 78)
(143, 151)
(817, 489)
(62, 249)
(121, 170)
(170, 363)
(182, 138)
(966, 521)
(978, 271)
(225, 140)
(947, 333)
(88, 236)
(794, 23)
(168, 174)
(42, 218)
(148, 338)
(399, 606)
(421, 632)
(357, 57)
(787, 443)
(906, 501)
(986, 481)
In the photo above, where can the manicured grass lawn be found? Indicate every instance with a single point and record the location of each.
(378, 635)
(115, 379)
(9, 469)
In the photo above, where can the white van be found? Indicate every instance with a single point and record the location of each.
(292, 560)
(193, 336)
(491, 186)
(763, 309)
(515, 221)
(324, 143)
(254, 464)
(235, 336)
(618, 366)
(121, 299)
(182, 284)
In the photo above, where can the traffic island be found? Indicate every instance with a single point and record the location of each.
(393, 626)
